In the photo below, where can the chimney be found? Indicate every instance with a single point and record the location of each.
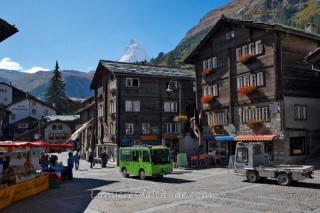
(310, 28)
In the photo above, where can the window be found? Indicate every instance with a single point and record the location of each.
(132, 106)
(125, 155)
(135, 155)
(257, 150)
(112, 107)
(34, 103)
(211, 90)
(297, 145)
(300, 112)
(129, 128)
(259, 113)
(210, 63)
(60, 126)
(51, 136)
(171, 128)
(63, 136)
(252, 49)
(259, 47)
(220, 118)
(238, 53)
(230, 34)
(242, 155)
(132, 82)
(33, 111)
(113, 85)
(13, 117)
(173, 85)
(22, 125)
(252, 79)
(170, 106)
(57, 136)
(145, 128)
(245, 50)
(145, 156)
(54, 126)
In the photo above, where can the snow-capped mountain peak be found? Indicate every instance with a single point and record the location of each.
(134, 53)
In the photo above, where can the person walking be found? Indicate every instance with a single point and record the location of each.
(91, 160)
(76, 161)
(70, 166)
(104, 159)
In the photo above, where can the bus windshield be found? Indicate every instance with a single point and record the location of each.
(160, 156)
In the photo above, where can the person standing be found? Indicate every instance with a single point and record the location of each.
(6, 163)
(91, 160)
(104, 159)
(76, 160)
(70, 165)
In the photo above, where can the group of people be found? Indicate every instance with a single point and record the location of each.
(104, 160)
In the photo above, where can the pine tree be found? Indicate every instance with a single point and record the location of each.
(55, 93)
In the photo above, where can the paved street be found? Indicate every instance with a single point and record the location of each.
(186, 190)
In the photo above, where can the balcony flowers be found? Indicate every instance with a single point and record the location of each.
(206, 72)
(206, 99)
(254, 123)
(246, 58)
(180, 118)
(246, 90)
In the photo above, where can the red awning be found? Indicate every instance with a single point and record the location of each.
(38, 144)
(254, 137)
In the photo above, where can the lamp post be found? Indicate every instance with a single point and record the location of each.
(180, 124)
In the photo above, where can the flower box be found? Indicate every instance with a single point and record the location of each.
(254, 123)
(206, 99)
(246, 90)
(180, 118)
(246, 58)
(206, 72)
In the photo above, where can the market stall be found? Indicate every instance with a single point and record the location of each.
(20, 173)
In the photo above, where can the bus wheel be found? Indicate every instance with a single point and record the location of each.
(124, 173)
(142, 174)
(284, 179)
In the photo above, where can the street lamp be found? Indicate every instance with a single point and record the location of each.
(180, 124)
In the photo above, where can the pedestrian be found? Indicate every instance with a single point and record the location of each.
(6, 163)
(91, 160)
(76, 160)
(70, 166)
(104, 159)
(44, 161)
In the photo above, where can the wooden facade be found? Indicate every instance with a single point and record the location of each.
(132, 104)
(261, 84)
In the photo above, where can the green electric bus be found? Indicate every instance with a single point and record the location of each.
(153, 161)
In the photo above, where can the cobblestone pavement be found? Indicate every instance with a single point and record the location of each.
(186, 190)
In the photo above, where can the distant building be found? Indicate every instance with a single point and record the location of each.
(262, 88)
(133, 103)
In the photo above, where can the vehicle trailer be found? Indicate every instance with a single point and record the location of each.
(252, 162)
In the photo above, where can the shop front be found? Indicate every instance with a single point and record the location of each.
(219, 148)
(267, 139)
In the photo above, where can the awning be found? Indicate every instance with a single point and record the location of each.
(218, 138)
(254, 137)
(74, 136)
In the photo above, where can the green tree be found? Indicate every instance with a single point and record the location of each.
(55, 93)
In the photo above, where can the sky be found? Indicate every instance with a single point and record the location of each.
(79, 33)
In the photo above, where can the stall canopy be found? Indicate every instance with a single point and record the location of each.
(75, 135)
(37, 144)
(254, 137)
(218, 138)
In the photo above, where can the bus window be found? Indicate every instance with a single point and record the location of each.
(125, 155)
(135, 155)
(160, 156)
(146, 157)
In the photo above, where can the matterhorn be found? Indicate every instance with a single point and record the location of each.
(134, 53)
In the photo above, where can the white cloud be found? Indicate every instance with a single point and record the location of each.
(36, 69)
(8, 64)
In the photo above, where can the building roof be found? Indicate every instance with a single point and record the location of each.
(66, 118)
(141, 70)
(6, 30)
(314, 59)
(253, 24)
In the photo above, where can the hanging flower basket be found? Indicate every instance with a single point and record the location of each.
(214, 124)
(254, 123)
(206, 72)
(246, 58)
(206, 99)
(180, 118)
(246, 90)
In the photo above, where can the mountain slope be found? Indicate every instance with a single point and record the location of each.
(296, 13)
(77, 83)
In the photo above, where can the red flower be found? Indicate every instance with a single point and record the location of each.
(206, 99)
(245, 58)
(206, 72)
(245, 90)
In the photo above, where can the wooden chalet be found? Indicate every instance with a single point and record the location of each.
(133, 103)
(253, 85)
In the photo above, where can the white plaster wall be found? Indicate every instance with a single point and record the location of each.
(5, 95)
